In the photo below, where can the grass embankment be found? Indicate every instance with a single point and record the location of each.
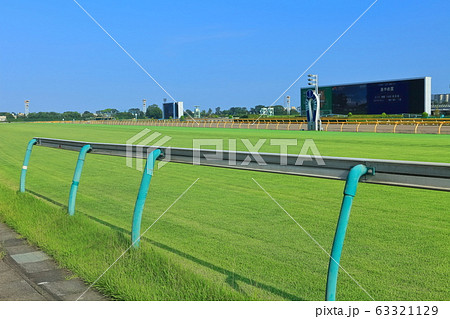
(228, 231)
(85, 246)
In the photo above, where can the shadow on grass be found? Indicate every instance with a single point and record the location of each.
(232, 277)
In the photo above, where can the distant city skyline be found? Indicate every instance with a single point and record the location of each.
(210, 54)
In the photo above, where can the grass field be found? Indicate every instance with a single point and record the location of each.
(226, 238)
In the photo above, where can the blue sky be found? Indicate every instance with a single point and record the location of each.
(210, 53)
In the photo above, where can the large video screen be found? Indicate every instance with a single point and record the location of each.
(390, 97)
(349, 98)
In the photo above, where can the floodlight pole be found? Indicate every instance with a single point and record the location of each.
(27, 107)
(144, 106)
(288, 105)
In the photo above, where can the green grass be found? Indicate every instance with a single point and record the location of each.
(227, 231)
(85, 246)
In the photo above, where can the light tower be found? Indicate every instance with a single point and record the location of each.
(288, 105)
(197, 112)
(313, 79)
(313, 98)
(27, 107)
(144, 106)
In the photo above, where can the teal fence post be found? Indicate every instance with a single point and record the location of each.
(349, 192)
(23, 174)
(142, 195)
(76, 178)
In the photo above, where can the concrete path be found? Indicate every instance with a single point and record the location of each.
(26, 273)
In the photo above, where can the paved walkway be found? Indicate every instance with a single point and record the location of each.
(26, 273)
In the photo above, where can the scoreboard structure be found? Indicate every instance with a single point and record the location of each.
(172, 110)
(412, 96)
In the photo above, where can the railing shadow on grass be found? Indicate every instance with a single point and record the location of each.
(232, 277)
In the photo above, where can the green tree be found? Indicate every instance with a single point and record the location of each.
(279, 110)
(69, 115)
(44, 116)
(258, 109)
(238, 111)
(137, 113)
(154, 112)
(9, 116)
(87, 115)
(123, 115)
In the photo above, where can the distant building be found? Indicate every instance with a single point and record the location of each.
(197, 113)
(440, 98)
(2, 118)
(267, 111)
(172, 110)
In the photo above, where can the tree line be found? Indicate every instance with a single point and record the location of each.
(242, 112)
(153, 112)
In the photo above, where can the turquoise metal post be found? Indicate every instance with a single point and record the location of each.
(76, 178)
(349, 192)
(142, 195)
(23, 174)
